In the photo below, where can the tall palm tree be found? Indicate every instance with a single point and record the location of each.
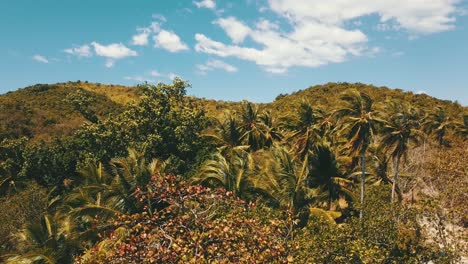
(259, 130)
(227, 134)
(271, 132)
(283, 178)
(326, 176)
(250, 125)
(233, 172)
(381, 160)
(438, 123)
(358, 127)
(306, 128)
(400, 129)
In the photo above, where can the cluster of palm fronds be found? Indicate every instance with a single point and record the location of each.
(309, 158)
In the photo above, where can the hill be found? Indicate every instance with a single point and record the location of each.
(93, 173)
(327, 96)
(41, 111)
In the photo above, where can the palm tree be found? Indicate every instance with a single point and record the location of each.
(381, 160)
(250, 125)
(327, 177)
(438, 123)
(400, 129)
(227, 134)
(307, 127)
(232, 172)
(51, 241)
(106, 194)
(259, 130)
(283, 178)
(358, 127)
(271, 132)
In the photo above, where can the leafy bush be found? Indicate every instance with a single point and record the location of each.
(192, 224)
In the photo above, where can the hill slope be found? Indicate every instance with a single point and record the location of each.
(42, 112)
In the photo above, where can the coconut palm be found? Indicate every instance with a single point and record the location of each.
(231, 172)
(358, 127)
(381, 160)
(271, 132)
(400, 129)
(51, 241)
(227, 134)
(439, 123)
(326, 176)
(307, 128)
(259, 130)
(106, 194)
(283, 178)
(250, 125)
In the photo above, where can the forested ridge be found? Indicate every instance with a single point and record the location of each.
(335, 173)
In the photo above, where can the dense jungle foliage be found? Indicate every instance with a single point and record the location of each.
(336, 173)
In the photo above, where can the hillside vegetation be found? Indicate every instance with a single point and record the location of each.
(335, 173)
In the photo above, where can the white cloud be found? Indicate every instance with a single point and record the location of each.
(210, 4)
(152, 76)
(309, 45)
(140, 39)
(40, 58)
(417, 16)
(80, 51)
(322, 32)
(235, 29)
(140, 79)
(213, 64)
(170, 41)
(113, 51)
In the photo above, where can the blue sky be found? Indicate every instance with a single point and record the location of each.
(234, 50)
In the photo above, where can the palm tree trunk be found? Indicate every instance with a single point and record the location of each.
(395, 178)
(363, 179)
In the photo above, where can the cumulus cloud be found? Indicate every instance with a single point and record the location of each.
(213, 64)
(40, 58)
(140, 39)
(309, 45)
(170, 41)
(80, 51)
(235, 29)
(323, 32)
(113, 52)
(417, 16)
(210, 4)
